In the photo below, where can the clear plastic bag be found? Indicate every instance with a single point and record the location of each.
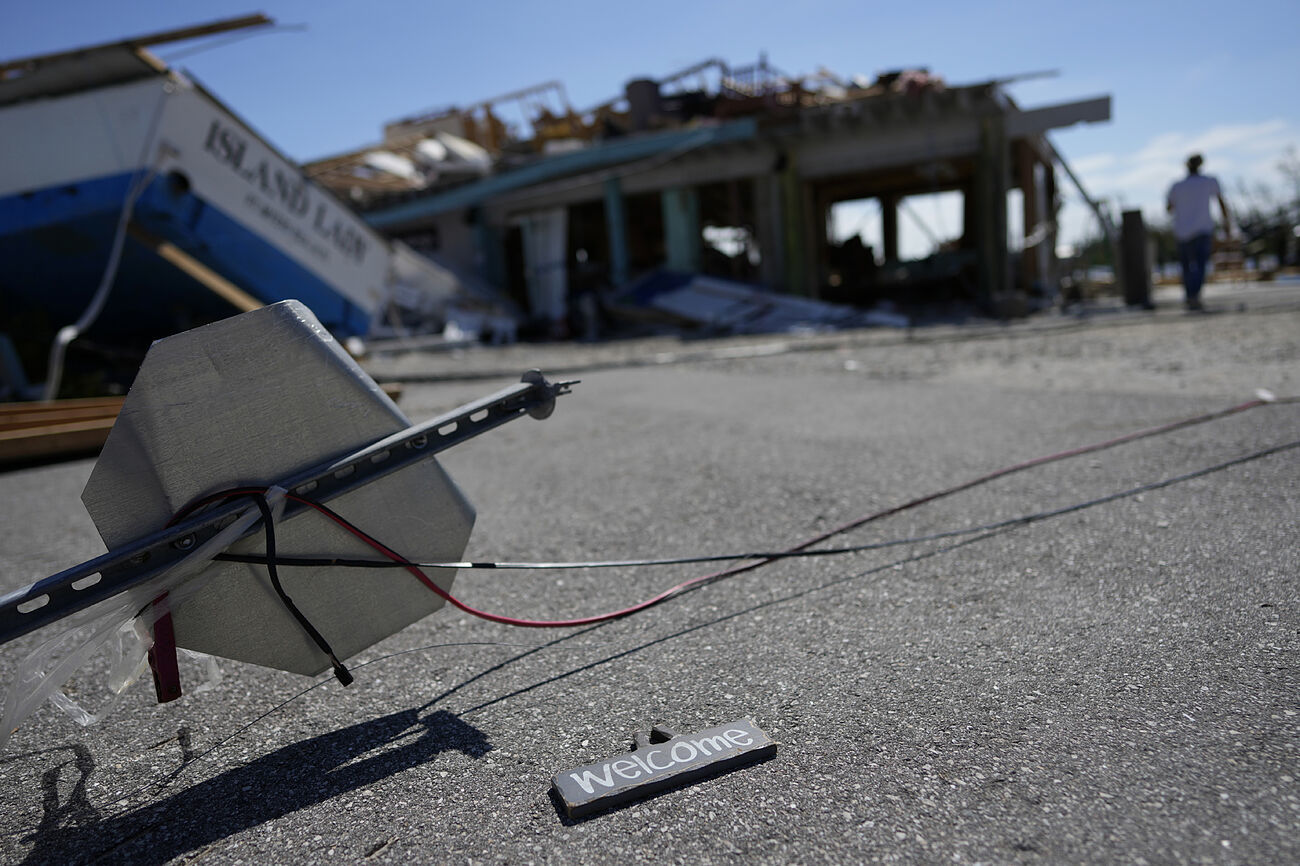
(122, 626)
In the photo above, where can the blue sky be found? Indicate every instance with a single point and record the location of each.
(1217, 77)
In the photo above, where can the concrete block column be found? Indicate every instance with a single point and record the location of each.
(889, 226)
(991, 182)
(616, 231)
(681, 210)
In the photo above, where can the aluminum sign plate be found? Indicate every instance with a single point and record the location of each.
(654, 768)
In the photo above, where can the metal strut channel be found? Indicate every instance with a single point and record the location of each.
(130, 565)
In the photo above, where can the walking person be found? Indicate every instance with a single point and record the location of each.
(1189, 202)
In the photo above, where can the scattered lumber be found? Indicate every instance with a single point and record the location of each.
(66, 428)
(60, 428)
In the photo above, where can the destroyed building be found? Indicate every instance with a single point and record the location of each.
(729, 172)
(134, 203)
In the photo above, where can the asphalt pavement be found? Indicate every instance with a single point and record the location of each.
(1114, 683)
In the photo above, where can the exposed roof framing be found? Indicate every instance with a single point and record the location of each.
(63, 72)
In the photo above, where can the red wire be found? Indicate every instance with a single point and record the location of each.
(733, 570)
(419, 574)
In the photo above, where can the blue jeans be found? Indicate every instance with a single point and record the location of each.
(1193, 255)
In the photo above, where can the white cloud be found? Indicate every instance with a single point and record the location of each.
(1235, 153)
(1254, 137)
(1141, 179)
(1163, 148)
(1095, 163)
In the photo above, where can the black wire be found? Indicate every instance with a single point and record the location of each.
(344, 562)
(270, 561)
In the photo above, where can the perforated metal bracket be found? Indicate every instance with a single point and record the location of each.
(130, 565)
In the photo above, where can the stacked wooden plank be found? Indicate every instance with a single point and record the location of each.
(68, 428)
(60, 428)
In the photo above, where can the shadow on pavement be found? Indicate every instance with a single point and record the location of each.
(312, 771)
(280, 783)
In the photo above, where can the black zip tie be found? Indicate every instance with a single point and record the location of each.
(341, 673)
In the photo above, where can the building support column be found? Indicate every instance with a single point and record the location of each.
(681, 210)
(970, 217)
(1031, 270)
(795, 227)
(769, 220)
(1051, 211)
(889, 226)
(616, 230)
(490, 252)
(991, 207)
(735, 219)
(819, 235)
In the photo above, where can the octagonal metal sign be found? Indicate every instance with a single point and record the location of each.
(245, 402)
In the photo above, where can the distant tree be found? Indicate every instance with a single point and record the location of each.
(1267, 214)
(1289, 166)
(1160, 233)
(1094, 251)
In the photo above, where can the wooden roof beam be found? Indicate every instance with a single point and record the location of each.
(224, 25)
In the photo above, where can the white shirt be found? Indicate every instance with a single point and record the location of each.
(1191, 199)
